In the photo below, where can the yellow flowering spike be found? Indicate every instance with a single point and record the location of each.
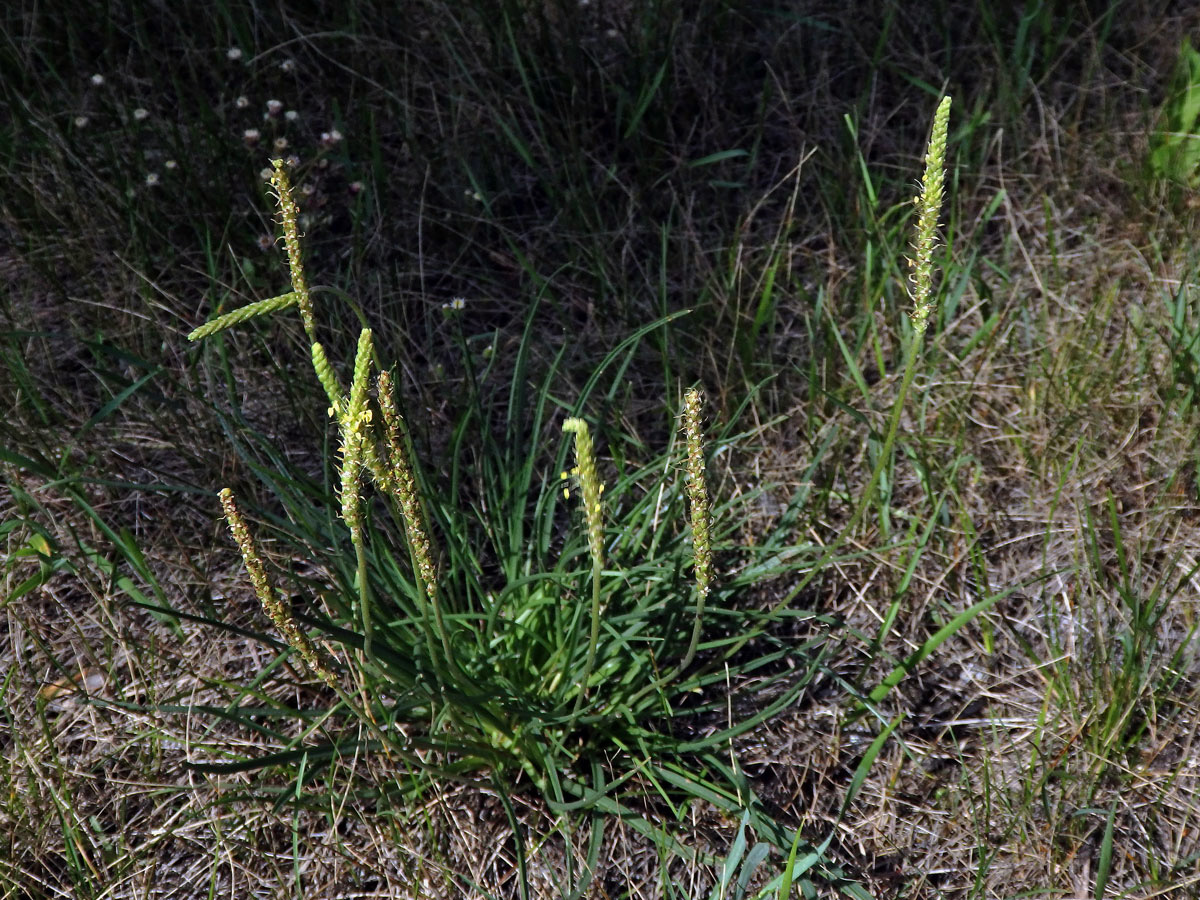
(697, 491)
(399, 479)
(403, 483)
(929, 206)
(357, 405)
(589, 484)
(328, 378)
(355, 424)
(271, 602)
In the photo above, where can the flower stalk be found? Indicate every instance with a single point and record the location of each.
(355, 426)
(928, 204)
(591, 488)
(289, 214)
(395, 475)
(697, 491)
(929, 207)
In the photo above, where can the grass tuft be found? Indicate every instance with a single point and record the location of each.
(515, 677)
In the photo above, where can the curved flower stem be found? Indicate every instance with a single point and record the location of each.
(928, 203)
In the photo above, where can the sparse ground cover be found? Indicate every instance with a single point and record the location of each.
(984, 684)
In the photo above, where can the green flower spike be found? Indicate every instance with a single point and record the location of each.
(402, 484)
(355, 423)
(328, 379)
(929, 206)
(397, 478)
(289, 213)
(590, 486)
(271, 602)
(298, 296)
(249, 311)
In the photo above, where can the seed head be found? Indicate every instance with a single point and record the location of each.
(289, 214)
(272, 603)
(697, 491)
(929, 206)
(397, 477)
(590, 485)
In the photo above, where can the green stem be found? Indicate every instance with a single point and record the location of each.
(695, 641)
(429, 599)
(364, 591)
(889, 442)
(594, 639)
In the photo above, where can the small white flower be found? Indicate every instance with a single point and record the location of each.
(273, 107)
(355, 187)
(97, 79)
(170, 164)
(265, 174)
(81, 121)
(292, 161)
(306, 189)
(265, 242)
(251, 135)
(291, 115)
(281, 143)
(242, 102)
(234, 53)
(152, 179)
(140, 114)
(335, 136)
(288, 65)
(457, 303)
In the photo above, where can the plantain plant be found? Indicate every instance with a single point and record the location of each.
(470, 635)
(476, 638)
